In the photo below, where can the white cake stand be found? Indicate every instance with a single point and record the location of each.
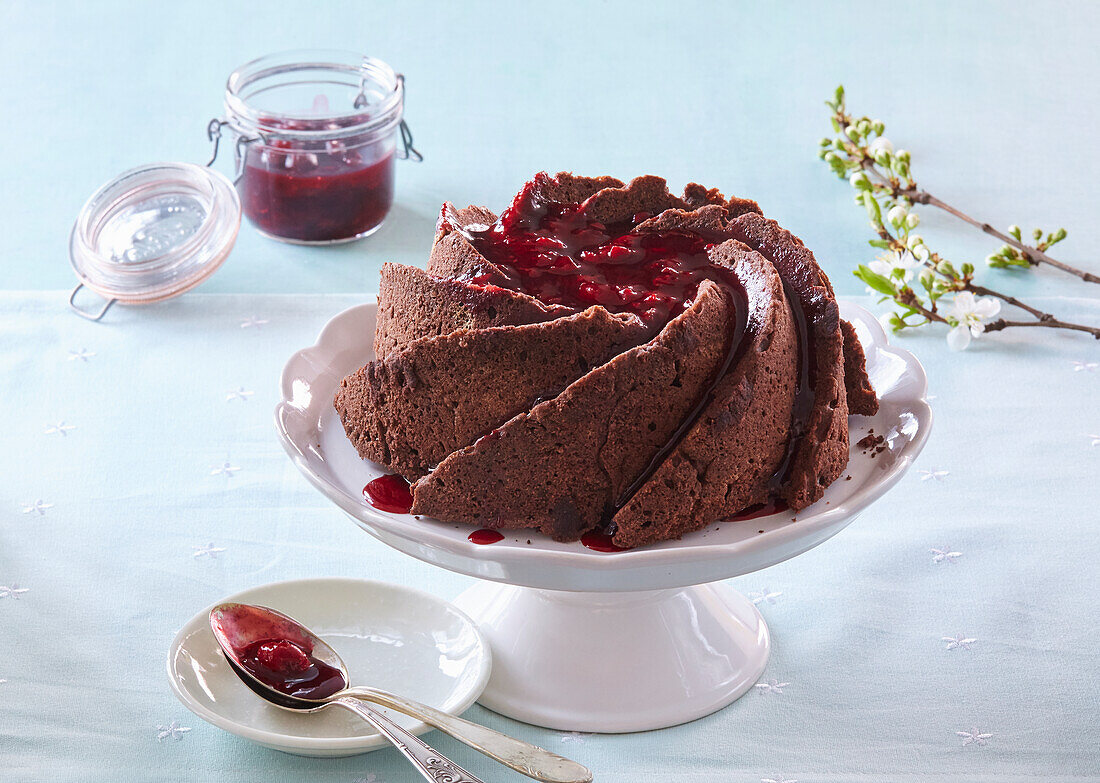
(605, 642)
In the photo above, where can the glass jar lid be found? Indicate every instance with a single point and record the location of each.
(153, 233)
(314, 95)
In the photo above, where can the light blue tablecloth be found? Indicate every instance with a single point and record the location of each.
(948, 635)
(118, 440)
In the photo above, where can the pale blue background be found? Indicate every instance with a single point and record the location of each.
(996, 101)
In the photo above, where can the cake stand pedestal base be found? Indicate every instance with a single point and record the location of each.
(617, 662)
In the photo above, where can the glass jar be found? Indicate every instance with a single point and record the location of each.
(316, 142)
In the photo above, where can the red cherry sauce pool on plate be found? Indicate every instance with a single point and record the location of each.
(600, 542)
(316, 191)
(290, 669)
(389, 493)
(485, 536)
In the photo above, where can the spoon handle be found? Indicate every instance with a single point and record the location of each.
(523, 757)
(432, 764)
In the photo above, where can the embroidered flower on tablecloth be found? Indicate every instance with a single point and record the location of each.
(226, 469)
(579, 737)
(60, 428)
(241, 394)
(209, 550)
(173, 730)
(945, 555)
(764, 595)
(83, 355)
(938, 475)
(973, 737)
(958, 642)
(252, 322)
(1085, 366)
(771, 686)
(37, 507)
(13, 591)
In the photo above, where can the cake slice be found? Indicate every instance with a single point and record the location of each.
(818, 448)
(413, 304)
(862, 399)
(437, 394)
(562, 466)
(728, 458)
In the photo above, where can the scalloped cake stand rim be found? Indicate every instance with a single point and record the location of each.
(548, 565)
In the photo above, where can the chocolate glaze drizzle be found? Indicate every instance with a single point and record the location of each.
(735, 350)
(804, 395)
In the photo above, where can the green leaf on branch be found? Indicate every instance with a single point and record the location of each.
(873, 210)
(875, 281)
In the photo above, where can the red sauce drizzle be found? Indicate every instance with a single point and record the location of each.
(553, 252)
(601, 542)
(485, 536)
(389, 493)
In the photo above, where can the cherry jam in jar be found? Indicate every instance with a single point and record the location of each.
(316, 143)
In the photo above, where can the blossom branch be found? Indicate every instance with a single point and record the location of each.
(1034, 255)
(885, 187)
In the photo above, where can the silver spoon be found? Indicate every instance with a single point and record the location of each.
(239, 627)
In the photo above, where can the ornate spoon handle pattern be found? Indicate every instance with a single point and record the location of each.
(432, 764)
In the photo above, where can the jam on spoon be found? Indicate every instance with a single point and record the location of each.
(291, 669)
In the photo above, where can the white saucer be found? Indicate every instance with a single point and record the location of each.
(390, 637)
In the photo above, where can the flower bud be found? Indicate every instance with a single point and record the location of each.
(878, 127)
(912, 220)
(859, 181)
(896, 214)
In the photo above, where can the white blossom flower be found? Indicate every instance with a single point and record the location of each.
(967, 316)
(886, 263)
(920, 252)
(881, 144)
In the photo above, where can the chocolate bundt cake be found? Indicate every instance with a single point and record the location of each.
(608, 356)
